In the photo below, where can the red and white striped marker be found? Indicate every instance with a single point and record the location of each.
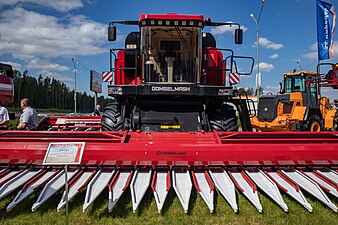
(234, 78)
(107, 76)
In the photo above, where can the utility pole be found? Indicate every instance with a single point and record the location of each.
(74, 86)
(258, 75)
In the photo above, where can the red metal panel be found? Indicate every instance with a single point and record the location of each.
(119, 68)
(172, 16)
(213, 64)
(194, 149)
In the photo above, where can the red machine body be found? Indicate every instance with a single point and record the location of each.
(173, 124)
(178, 149)
(6, 84)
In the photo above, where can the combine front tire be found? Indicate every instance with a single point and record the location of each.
(223, 119)
(112, 120)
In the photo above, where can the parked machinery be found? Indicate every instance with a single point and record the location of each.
(173, 125)
(172, 77)
(6, 84)
(298, 106)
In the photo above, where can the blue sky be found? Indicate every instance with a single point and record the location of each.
(43, 36)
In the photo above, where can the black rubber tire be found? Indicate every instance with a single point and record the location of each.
(223, 119)
(314, 124)
(112, 120)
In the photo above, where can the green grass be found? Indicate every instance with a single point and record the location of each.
(172, 213)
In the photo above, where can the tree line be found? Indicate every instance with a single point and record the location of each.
(48, 93)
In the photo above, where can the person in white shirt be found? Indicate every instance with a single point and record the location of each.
(29, 118)
(4, 118)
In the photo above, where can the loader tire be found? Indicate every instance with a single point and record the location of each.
(112, 120)
(223, 119)
(314, 124)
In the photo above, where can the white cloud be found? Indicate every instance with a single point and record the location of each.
(45, 65)
(30, 34)
(264, 66)
(274, 56)
(271, 88)
(223, 29)
(264, 42)
(58, 5)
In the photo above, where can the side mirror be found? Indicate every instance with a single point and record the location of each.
(239, 36)
(111, 33)
(281, 90)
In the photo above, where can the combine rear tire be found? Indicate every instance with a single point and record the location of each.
(314, 124)
(112, 120)
(223, 119)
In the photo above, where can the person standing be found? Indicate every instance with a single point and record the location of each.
(97, 111)
(29, 117)
(4, 118)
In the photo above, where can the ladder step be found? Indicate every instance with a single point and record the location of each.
(267, 185)
(160, 186)
(182, 185)
(97, 185)
(310, 186)
(247, 187)
(139, 185)
(224, 184)
(52, 187)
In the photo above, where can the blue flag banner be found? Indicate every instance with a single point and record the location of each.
(326, 23)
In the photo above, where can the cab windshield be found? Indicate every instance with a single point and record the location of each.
(171, 54)
(294, 84)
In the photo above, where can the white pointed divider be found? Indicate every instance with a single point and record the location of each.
(55, 184)
(225, 186)
(182, 185)
(290, 187)
(160, 186)
(328, 173)
(76, 184)
(247, 187)
(267, 185)
(97, 185)
(9, 173)
(325, 183)
(17, 180)
(118, 185)
(310, 186)
(33, 185)
(139, 185)
(204, 186)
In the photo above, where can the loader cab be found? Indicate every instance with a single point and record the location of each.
(305, 83)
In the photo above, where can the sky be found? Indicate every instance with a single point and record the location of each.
(43, 36)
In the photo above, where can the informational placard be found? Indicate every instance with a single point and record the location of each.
(95, 81)
(64, 153)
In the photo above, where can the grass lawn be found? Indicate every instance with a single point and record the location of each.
(172, 212)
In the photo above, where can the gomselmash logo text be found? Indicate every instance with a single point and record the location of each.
(170, 89)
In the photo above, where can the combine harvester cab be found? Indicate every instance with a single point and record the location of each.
(173, 125)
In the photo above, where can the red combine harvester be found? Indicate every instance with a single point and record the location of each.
(330, 79)
(6, 84)
(173, 125)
